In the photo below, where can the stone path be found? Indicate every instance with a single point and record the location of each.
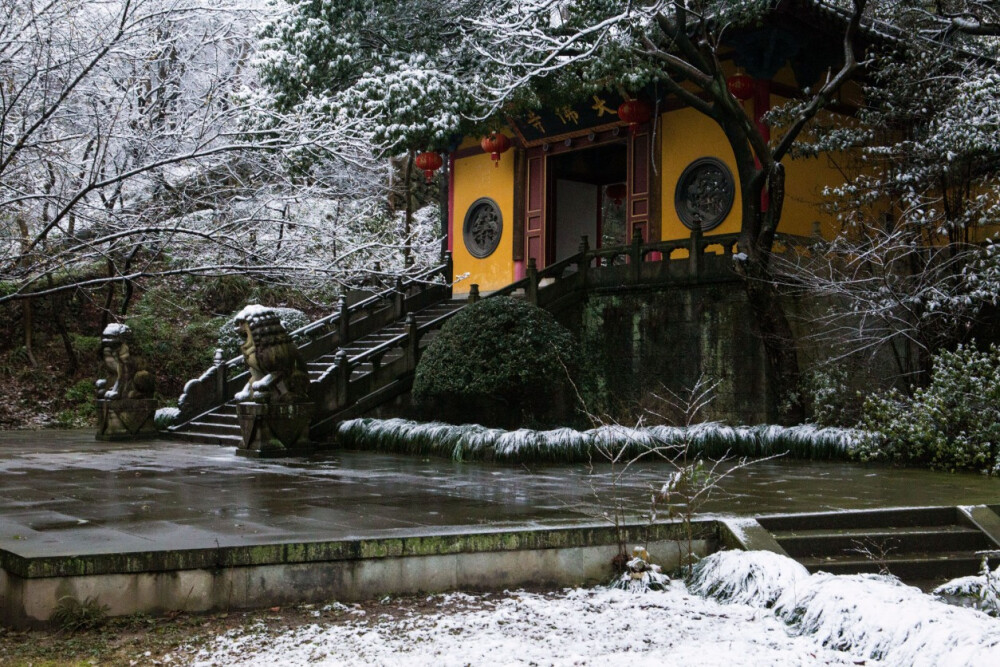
(63, 494)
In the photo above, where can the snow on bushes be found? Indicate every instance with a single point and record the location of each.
(475, 442)
(871, 616)
(165, 417)
(953, 423)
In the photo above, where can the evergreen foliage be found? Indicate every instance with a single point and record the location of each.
(951, 424)
(502, 361)
(401, 69)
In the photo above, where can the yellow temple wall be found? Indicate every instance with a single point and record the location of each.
(688, 135)
(477, 176)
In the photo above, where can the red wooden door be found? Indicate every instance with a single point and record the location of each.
(535, 202)
(639, 202)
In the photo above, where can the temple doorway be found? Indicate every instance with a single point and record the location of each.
(587, 196)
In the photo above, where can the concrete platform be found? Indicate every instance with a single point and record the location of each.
(161, 525)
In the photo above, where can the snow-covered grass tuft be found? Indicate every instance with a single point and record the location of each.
(873, 617)
(756, 578)
(165, 417)
(474, 442)
(981, 591)
(877, 617)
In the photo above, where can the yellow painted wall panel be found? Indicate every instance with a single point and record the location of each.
(686, 136)
(689, 135)
(476, 177)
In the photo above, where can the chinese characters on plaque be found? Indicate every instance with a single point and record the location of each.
(599, 110)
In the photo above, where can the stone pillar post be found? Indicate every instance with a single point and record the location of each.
(343, 319)
(694, 253)
(412, 342)
(532, 290)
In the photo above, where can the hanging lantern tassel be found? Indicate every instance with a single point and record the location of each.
(428, 162)
(635, 113)
(495, 144)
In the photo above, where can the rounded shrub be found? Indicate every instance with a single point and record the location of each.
(500, 362)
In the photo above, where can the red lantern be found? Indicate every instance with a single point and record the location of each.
(635, 113)
(429, 163)
(495, 145)
(618, 192)
(740, 86)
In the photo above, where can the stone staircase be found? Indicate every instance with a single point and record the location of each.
(358, 348)
(220, 426)
(923, 546)
(368, 347)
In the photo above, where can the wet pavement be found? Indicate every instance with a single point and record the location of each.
(62, 493)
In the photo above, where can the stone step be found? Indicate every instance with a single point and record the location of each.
(890, 540)
(908, 516)
(211, 438)
(219, 417)
(933, 567)
(213, 429)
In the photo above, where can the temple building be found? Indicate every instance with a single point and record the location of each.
(619, 164)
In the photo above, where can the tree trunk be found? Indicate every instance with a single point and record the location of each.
(785, 402)
(109, 299)
(72, 362)
(29, 331)
(776, 334)
(408, 219)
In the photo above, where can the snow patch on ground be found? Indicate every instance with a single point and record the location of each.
(579, 626)
(777, 614)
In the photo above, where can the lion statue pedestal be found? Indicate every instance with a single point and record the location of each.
(126, 411)
(273, 409)
(274, 429)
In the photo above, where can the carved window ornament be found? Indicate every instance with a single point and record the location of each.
(482, 228)
(705, 194)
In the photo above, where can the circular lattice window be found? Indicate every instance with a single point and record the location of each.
(482, 228)
(705, 193)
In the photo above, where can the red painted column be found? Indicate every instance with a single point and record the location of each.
(761, 105)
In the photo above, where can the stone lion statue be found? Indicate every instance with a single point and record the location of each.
(277, 372)
(129, 382)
